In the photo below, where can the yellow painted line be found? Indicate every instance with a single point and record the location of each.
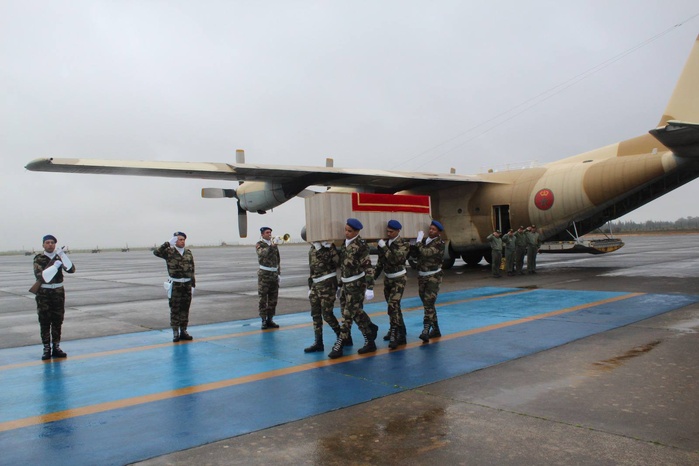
(134, 349)
(138, 400)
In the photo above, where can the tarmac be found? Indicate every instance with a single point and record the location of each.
(627, 395)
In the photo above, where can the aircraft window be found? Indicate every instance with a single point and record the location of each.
(587, 161)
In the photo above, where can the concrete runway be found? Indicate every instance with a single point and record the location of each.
(624, 396)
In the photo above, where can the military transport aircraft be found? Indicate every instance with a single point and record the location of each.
(565, 199)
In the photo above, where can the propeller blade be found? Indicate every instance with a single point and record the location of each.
(217, 193)
(242, 222)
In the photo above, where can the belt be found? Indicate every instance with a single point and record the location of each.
(429, 272)
(179, 280)
(268, 269)
(324, 277)
(52, 286)
(352, 278)
(400, 273)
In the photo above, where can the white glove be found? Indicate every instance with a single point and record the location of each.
(277, 241)
(382, 243)
(369, 295)
(316, 245)
(338, 292)
(420, 235)
(326, 244)
(192, 291)
(279, 278)
(60, 251)
(58, 264)
(173, 240)
(309, 293)
(66, 261)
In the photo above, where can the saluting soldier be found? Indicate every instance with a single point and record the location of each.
(323, 260)
(392, 255)
(357, 276)
(50, 297)
(509, 245)
(429, 277)
(495, 252)
(268, 277)
(181, 283)
(533, 245)
(520, 250)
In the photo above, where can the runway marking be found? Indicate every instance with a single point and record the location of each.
(134, 401)
(237, 335)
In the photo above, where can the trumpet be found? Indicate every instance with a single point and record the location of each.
(282, 239)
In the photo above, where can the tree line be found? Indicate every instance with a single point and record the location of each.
(628, 226)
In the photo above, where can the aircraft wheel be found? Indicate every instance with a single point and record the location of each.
(488, 256)
(472, 258)
(448, 263)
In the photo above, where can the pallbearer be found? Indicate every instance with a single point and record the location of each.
(323, 260)
(50, 295)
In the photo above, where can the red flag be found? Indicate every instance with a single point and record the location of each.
(368, 202)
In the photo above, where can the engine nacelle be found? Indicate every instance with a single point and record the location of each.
(259, 196)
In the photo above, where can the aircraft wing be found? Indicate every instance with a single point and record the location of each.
(380, 180)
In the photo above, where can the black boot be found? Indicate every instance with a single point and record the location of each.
(348, 341)
(175, 334)
(402, 335)
(337, 349)
(435, 333)
(184, 335)
(369, 339)
(425, 335)
(317, 346)
(393, 337)
(271, 323)
(264, 323)
(387, 337)
(58, 352)
(47, 352)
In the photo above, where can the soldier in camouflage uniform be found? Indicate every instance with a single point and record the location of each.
(322, 288)
(392, 255)
(357, 275)
(180, 269)
(520, 250)
(268, 277)
(495, 252)
(429, 271)
(50, 297)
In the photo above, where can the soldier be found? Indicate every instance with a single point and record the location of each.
(533, 245)
(520, 249)
(50, 295)
(509, 244)
(322, 288)
(495, 252)
(392, 255)
(429, 277)
(180, 283)
(268, 277)
(357, 275)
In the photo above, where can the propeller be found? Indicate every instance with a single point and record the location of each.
(218, 193)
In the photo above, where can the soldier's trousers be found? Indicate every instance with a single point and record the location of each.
(322, 299)
(496, 261)
(50, 307)
(268, 291)
(531, 258)
(180, 300)
(428, 288)
(353, 308)
(509, 260)
(393, 289)
(519, 258)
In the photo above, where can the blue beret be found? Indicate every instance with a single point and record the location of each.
(394, 225)
(355, 224)
(48, 237)
(438, 225)
(263, 229)
(179, 233)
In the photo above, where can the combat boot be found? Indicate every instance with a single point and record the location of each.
(58, 352)
(175, 334)
(369, 338)
(387, 337)
(184, 335)
(317, 346)
(393, 337)
(425, 335)
(47, 352)
(337, 349)
(264, 324)
(348, 341)
(402, 335)
(435, 333)
(271, 323)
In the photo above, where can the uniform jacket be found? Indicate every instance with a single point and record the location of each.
(322, 262)
(392, 257)
(430, 256)
(178, 265)
(268, 255)
(354, 259)
(42, 261)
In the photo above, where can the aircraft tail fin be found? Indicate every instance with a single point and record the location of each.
(684, 103)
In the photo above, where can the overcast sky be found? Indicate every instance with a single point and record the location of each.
(406, 85)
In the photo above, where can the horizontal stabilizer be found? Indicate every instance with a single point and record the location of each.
(680, 137)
